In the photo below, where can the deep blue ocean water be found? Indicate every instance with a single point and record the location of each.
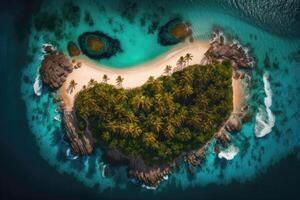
(35, 161)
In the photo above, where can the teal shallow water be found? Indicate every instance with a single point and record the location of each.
(254, 156)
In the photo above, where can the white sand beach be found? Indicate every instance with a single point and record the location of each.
(137, 75)
(237, 95)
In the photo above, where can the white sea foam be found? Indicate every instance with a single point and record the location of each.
(265, 119)
(58, 117)
(103, 171)
(37, 86)
(229, 153)
(149, 187)
(70, 156)
(53, 48)
(217, 37)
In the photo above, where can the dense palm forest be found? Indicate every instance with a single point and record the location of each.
(164, 117)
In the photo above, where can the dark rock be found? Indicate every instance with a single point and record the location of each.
(173, 32)
(217, 149)
(88, 19)
(98, 45)
(115, 157)
(55, 67)
(71, 13)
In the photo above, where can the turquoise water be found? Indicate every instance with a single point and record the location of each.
(255, 154)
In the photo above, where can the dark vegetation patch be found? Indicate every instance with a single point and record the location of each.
(161, 119)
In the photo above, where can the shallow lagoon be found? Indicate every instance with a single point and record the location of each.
(254, 156)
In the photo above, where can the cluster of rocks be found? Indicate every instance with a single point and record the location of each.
(196, 157)
(97, 45)
(150, 175)
(174, 31)
(232, 52)
(81, 144)
(55, 68)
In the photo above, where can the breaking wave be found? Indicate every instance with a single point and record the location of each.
(70, 156)
(37, 86)
(265, 119)
(229, 153)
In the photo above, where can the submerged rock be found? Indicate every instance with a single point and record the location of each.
(98, 45)
(73, 49)
(174, 31)
(55, 69)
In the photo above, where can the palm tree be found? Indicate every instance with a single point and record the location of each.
(92, 83)
(157, 125)
(188, 57)
(181, 62)
(105, 78)
(141, 102)
(168, 69)
(157, 86)
(72, 86)
(119, 81)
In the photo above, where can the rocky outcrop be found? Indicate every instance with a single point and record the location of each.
(234, 124)
(97, 45)
(150, 176)
(173, 32)
(222, 137)
(234, 53)
(73, 49)
(55, 68)
(196, 157)
(81, 143)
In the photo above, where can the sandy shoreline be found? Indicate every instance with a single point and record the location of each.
(137, 75)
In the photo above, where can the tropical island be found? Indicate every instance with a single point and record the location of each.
(153, 116)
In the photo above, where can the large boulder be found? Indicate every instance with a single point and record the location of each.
(97, 45)
(234, 124)
(173, 32)
(55, 69)
(73, 49)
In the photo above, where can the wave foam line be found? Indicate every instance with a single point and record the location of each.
(37, 86)
(265, 119)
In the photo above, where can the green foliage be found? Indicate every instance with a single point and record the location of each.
(162, 118)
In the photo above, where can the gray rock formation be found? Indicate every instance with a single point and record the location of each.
(55, 68)
(81, 143)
